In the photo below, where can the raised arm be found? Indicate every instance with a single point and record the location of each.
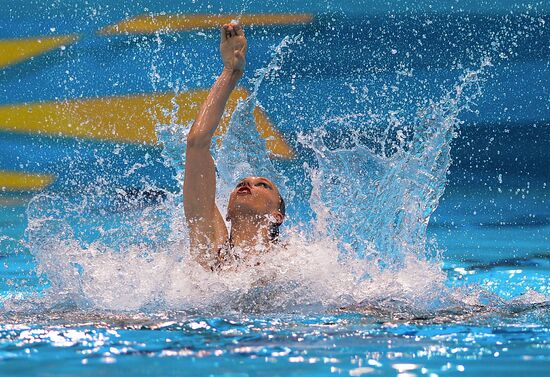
(207, 228)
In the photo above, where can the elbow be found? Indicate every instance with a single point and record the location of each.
(197, 141)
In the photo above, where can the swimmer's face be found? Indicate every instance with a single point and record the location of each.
(255, 196)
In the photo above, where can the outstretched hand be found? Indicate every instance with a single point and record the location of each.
(233, 47)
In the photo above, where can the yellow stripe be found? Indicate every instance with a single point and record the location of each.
(6, 201)
(17, 181)
(15, 50)
(149, 24)
(125, 118)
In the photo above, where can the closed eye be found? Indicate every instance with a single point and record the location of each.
(263, 184)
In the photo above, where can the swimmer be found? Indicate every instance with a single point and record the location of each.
(255, 209)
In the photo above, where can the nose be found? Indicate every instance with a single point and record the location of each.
(245, 184)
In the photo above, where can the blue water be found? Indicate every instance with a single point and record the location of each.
(419, 216)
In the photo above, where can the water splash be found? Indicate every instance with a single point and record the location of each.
(139, 264)
(372, 195)
(389, 193)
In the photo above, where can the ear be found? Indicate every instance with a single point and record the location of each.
(278, 217)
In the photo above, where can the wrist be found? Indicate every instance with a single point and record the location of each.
(233, 73)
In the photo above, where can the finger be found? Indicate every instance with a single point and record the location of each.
(242, 50)
(232, 29)
(223, 32)
(228, 30)
(238, 30)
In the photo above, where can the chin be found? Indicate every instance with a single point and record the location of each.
(245, 208)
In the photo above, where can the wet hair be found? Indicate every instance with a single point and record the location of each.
(274, 228)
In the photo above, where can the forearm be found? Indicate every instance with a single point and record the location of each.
(212, 109)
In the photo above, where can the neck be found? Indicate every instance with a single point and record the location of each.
(249, 233)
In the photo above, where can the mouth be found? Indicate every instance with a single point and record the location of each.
(244, 191)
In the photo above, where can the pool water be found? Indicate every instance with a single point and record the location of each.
(340, 344)
(388, 337)
(418, 230)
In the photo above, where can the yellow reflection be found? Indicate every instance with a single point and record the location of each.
(129, 119)
(15, 50)
(19, 181)
(149, 24)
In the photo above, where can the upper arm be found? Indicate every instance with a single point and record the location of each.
(207, 228)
